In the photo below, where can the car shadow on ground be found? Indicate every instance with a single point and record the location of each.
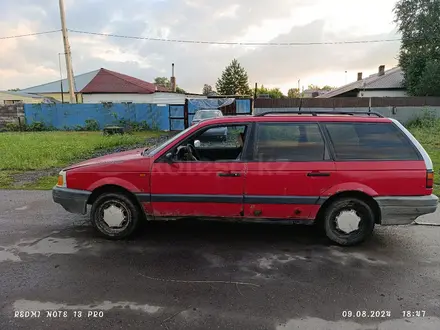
(231, 234)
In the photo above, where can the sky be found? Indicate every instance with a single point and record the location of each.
(29, 61)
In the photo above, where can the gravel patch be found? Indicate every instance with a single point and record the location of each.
(28, 177)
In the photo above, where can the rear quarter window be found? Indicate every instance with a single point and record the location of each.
(370, 141)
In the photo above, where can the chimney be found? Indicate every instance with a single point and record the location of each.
(381, 70)
(173, 80)
(359, 76)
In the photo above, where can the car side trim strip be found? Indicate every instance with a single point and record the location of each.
(281, 200)
(186, 198)
(231, 199)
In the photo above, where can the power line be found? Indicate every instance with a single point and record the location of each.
(235, 43)
(29, 34)
(206, 42)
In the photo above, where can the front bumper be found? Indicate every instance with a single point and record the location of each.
(405, 209)
(72, 200)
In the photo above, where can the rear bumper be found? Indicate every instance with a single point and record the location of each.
(405, 209)
(72, 200)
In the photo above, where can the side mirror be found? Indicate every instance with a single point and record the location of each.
(197, 143)
(169, 158)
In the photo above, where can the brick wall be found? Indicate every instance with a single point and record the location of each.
(11, 113)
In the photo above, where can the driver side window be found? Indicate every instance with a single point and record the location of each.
(217, 143)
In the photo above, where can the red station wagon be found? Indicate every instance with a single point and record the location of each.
(343, 171)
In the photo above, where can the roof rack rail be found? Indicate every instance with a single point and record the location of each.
(315, 113)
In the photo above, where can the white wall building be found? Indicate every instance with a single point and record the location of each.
(381, 84)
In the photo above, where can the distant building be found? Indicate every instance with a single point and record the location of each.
(16, 97)
(108, 86)
(381, 84)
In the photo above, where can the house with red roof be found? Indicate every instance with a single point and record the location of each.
(108, 86)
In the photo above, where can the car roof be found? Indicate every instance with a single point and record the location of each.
(297, 118)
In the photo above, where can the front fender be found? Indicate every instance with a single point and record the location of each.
(116, 182)
(349, 186)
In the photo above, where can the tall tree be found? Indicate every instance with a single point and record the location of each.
(207, 89)
(165, 82)
(293, 93)
(419, 58)
(234, 80)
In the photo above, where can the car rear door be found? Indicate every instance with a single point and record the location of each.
(289, 169)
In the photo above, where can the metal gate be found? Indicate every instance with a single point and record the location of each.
(238, 107)
(177, 117)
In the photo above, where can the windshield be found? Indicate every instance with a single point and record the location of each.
(205, 114)
(155, 150)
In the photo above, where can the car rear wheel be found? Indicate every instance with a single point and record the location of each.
(349, 221)
(115, 216)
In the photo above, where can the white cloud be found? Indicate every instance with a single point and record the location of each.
(33, 60)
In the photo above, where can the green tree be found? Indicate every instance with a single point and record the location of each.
(274, 93)
(234, 80)
(315, 87)
(14, 89)
(325, 88)
(418, 22)
(162, 81)
(180, 90)
(429, 81)
(165, 82)
(207, 89)
(293, 93)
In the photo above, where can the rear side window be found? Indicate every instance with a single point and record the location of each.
(370, 141)
(297, 142)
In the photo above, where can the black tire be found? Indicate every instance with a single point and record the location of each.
(130, 211)
(350, 204)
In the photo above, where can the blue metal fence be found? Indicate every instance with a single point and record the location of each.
(162, 117)
(70, 116)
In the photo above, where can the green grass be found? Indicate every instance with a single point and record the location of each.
(427, 132)
(6, 179)
(42, 150)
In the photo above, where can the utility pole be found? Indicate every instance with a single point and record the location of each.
(68, 53)
(61, 76)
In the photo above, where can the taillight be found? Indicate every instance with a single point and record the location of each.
(429, 179)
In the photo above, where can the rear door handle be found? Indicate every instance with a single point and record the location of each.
(318, 174)
(233, 175)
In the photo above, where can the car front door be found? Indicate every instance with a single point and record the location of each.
(290, 168)
(211, 186)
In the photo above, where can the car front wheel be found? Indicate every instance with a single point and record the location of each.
(349, 221)
(115, 216)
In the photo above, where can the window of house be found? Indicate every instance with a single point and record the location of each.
(370, 141)
(301, 142)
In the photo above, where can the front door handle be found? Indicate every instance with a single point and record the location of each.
(231, 175)
(318, 174)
